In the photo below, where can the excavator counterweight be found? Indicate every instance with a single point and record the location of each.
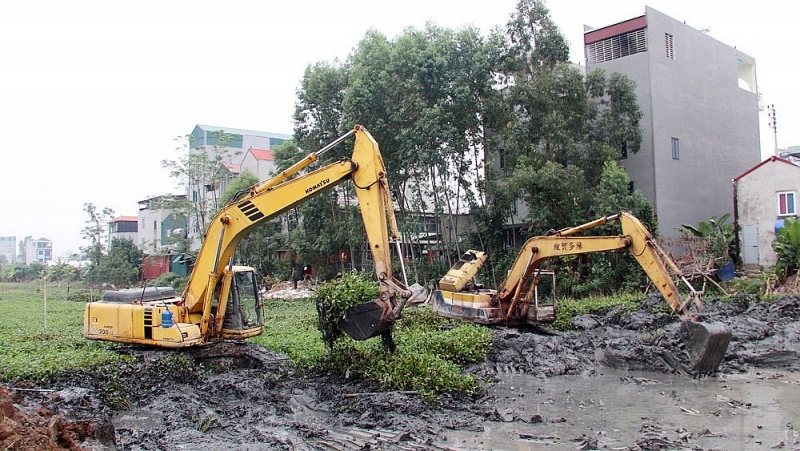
(515, 301)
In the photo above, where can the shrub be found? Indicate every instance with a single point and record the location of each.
(170, 279)
(787, 246)
(333, 298)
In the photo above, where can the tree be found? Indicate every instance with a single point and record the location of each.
(558, 128)
(787, 246)
(610, 271)
(96, 232)
(198, 170)
(486, 124)
(121, 266)
(319, 111)
(423, 97)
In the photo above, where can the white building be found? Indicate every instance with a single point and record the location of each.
(157, 222)
(39, 250)
(764, 196)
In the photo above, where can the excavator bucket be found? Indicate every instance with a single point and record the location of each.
(365, 321)
(706, 344)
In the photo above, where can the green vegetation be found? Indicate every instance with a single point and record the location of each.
(720, 235)
(32, 348)
(170, 279)
(429, 356)
(787, 246)
(568, 308)
(335, 297)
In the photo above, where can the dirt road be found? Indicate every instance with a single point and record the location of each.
(614, 384)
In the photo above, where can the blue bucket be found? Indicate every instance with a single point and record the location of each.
(727, 272)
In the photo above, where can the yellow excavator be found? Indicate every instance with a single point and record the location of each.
(515, 302)
(221, 300)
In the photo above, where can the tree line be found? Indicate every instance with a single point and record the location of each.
(500, 126)
(497, 137)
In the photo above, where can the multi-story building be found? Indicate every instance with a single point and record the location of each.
(35, 250)
(158, 221)
(244, 149)
(126, 227)
(8, 249)
(700, 103)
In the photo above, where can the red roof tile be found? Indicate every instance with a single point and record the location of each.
(262, 154)
(126, 218)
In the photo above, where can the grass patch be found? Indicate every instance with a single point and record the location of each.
(290, 327)
(429, 356)
(32, 348)
(568, 308)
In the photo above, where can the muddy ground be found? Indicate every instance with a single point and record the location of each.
(256, 401)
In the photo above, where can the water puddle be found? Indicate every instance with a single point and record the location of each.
(614, 409)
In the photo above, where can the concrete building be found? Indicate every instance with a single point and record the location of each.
(260, 162)
(700, 103)
(157, 222)
(8, 249)
(126, 227)
(245, 149)
(764, 195)
(791, 153)
(36, 250)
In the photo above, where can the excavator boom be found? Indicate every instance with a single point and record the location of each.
(212, 305)
(515, 301)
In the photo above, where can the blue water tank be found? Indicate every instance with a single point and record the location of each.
(166, 318)
(778, 225)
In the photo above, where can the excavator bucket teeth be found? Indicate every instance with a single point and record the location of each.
(365, 321)
(706, 344)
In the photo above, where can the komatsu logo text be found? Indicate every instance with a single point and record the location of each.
(318, 185)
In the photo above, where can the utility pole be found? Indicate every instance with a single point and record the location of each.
(773, 124)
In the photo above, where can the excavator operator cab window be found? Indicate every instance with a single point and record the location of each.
(245, 291)
(243, 309)
(546, 289)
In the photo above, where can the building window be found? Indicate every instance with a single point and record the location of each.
(786, 203)
(617, 46)
(669, 45)
(676, 149)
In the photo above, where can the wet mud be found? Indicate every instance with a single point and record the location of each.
(619, 381)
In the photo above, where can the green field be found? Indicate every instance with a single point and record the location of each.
(42, 334)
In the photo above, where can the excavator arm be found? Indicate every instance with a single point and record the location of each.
(635, 237)
(202, 312)
(514, 301)
(277, 195)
